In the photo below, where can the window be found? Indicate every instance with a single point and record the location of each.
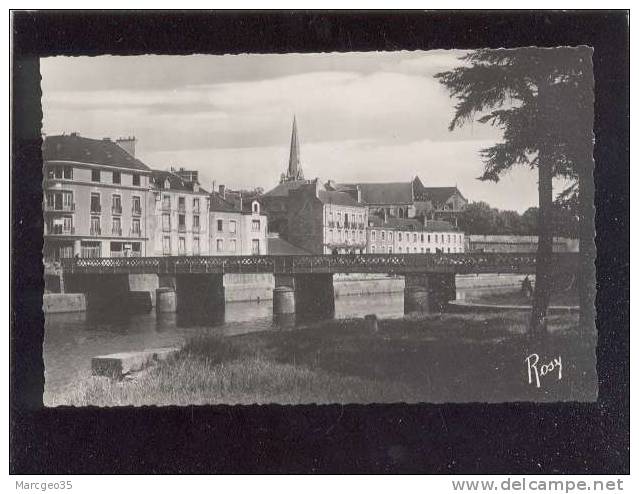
(181, 204)
(117, 178)
(166, 246)
(166, 222)
(68, 172)
(136, 207)
(116, 226)
(116, 204)
(181, 222)
(55, 172)
(90, 249)
(232, 226)
(95, 203)
(448, 239)
(436, 238)
(95, 175)
(166, 202)
(255, 225)
(135, 226)
(399, 237)
(390, 250)
(428, 238)
(383, 235)
(428, 249)
(422, 238)
(220, 245)
(117, 249)
(373, 249)
(449, 250)
(256, 207)
(390, 235)
(220, 226)
(136, 179)
(95, 228)
(196, 246)
(196, 223)
(196, 204)
(233, 245)
(414, 237)
(181, 246)
(255, 247)
(373, 235)
(400, 249)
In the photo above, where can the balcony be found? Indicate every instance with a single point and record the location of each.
(61, 230)
(62, 208)
(196, 229)
(182, 228)
(95, 209)
(116, 231)
(182, 208)
(136, 211)
(116, 209)
(166, 206)
(95, 231)
(135, 233)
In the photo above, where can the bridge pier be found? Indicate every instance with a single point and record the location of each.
(426, 293)
(304, 293)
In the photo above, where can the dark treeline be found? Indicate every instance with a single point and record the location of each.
(481, 219)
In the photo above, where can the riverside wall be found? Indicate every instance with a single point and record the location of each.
(251, 287)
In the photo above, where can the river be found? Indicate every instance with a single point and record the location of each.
(72, 339)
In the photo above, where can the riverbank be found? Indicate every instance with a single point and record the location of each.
(448, 358)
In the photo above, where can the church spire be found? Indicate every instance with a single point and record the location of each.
(294, 167)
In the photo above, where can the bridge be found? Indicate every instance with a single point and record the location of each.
(302, 282)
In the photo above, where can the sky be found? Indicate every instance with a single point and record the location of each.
(367, 117)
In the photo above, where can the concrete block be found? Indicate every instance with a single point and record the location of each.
(117, 365)
(53, 303)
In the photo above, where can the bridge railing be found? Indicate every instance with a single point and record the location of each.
(362, 263)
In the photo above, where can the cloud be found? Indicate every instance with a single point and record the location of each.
(361, 116)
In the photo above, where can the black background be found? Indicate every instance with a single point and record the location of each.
(476, 438)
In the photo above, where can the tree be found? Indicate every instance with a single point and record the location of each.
(540, 99)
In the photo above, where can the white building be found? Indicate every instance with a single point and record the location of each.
(178, 216)
(411, 236)
(237, 225)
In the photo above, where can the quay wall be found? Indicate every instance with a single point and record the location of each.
(248, 287)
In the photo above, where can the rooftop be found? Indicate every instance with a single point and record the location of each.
(79, 149)
(158, 177)
(382, 192)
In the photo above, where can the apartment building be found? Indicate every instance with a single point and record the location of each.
(411, 236)
(237, 226)
(95, 192)
(326, 222)
(178, 216)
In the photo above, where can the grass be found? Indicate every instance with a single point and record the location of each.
(448, 358)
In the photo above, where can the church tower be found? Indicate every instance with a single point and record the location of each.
(294, 171)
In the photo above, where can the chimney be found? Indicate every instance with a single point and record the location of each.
(213, 187)
(223, 191)
(359, 194)
(128, 144)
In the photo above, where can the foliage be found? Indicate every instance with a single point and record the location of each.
(481, 219)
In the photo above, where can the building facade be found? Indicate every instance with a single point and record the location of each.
(95, 197)
(237, 226)
(411, 236)
(178, 216)
(326, 222)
